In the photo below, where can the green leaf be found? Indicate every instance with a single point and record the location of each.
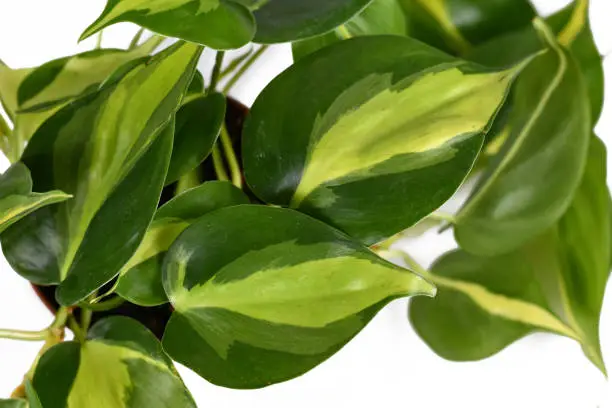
(198, 124)
(13, 403)
(530, 183)
(572, 27)
(31, 96)
(33, 400)
(17, 199)
(360, 147)
(290, 20)
(140, 280)
(110, 150)
(380, 17)
(263, 295)
(121, 365)
(9, 84)
(555, 283)
(219, 24)
(456, 25)
(66, 78)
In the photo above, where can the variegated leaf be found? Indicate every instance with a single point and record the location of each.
(456, 25)
(140, 280)
(385, 142)
(380, 17)
(39, 93)
(121, 365)
(220, 24)
(17, 199)
(262, 294)
(110, 150)
(555, 283)
(530, 183)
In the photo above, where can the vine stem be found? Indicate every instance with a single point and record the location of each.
(216, 72)
(99, 40)
(101, 306)
(218, 164)
(54, 334)
(230, 155)
(247, 65)
(136, 39)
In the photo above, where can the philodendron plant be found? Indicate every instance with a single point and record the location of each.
(158, 228)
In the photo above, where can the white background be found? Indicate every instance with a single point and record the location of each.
(387, 363)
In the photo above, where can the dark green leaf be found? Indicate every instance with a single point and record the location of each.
(289, 20)
(264, 294)
(555, 283)
(531, 181)
(380, 17)
(355, 151)
(122, 365)
(198, 124)
(456, 25)
(140, 280)
(219, 24)
(110, 150)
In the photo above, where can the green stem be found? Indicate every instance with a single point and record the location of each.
(155, 41)
(218, 163)
(248, 64)
(99, 40)
(24, 335)
(136, 39)
(76, 329)
(230, 155)
(216, 72)
(234, 64)
(104, 306)
(442, 216)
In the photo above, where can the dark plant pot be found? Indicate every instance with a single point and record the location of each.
(156, 318)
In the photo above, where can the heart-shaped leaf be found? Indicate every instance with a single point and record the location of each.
(219, 24)
(362, 154)
(555, 283)
(456, 25)
(121, 365)
(198, 124)
(110, 150)
(140, 280)
(264, 294)
(17, 199)
(531, 182)
(380, 17)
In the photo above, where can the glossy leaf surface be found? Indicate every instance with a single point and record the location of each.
(355, 152)
(380, 17)
(121, 365)
(456, 25)
(289, 20)
(555, 283)
(220, 24)
(110, 151)
(198, 124)
(140, 279)
(17, 199)
(264, 304)
(530, 183)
